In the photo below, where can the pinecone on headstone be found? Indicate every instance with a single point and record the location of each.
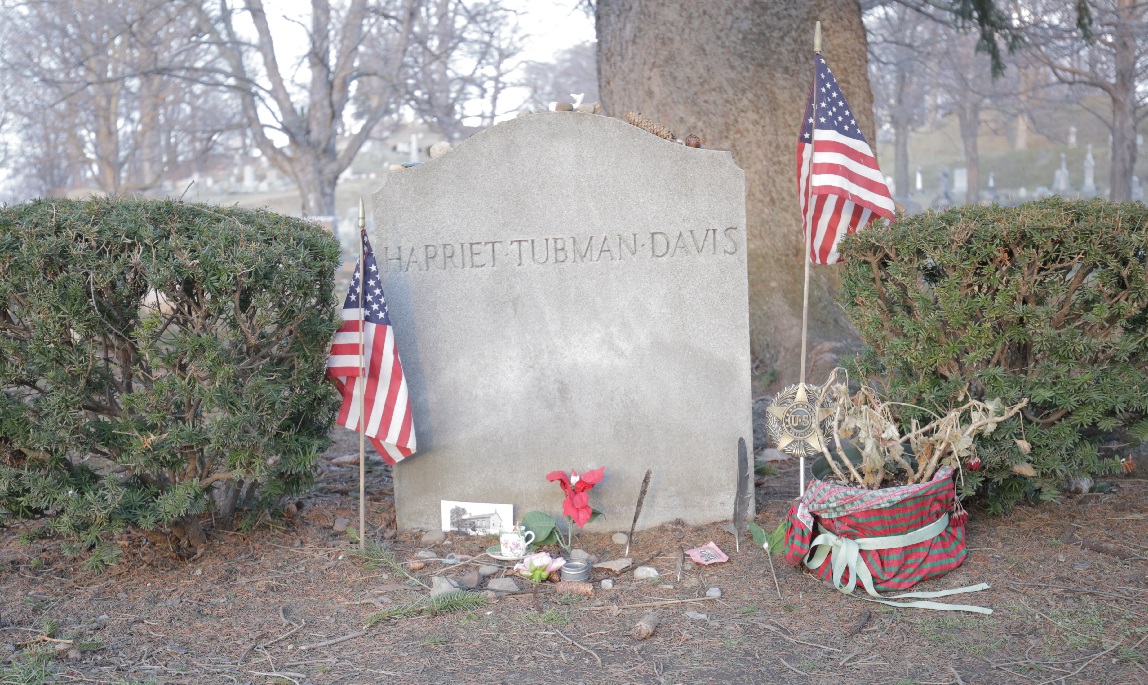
(646, 124)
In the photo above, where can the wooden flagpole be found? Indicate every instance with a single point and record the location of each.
(362, 386)
(808, 230)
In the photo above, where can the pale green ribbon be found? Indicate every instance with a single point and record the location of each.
(847, 556)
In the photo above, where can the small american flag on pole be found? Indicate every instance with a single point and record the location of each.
(840, 186)
(385, 404)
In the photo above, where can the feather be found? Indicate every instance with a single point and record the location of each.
(637, 510)
(743, 501)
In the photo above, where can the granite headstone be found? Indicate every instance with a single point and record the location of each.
(569, 291)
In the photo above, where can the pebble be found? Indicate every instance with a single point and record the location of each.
(713, 592)
(607, 584)
(645, 572)
(582, 555)
(389, 534)
(616, 565)
(487, 571)
(433, 537)
(346, 460)
(469, 581)
(425, 554)
(773, 454)
(1082, 565)
(341, 524)
(697, 615)
(563, 107)
(620, 538)
(502, 585)
(439, 149)
(667, 586)
(9, 647)
(441, 585)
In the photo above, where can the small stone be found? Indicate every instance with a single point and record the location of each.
(74, 655)
(607, 584)
(62, 647)
(439, 149)
(102, 617)
(425, 554)
(341, 523)
(433, 537)
(1061, 557)
(122, 595)
(9, 647)
(487, 571)
(697, 616)
(469, 581)
(713, 592)
(389, 534)
(645, 572)
(620, 538)
(524, 113)
(563, 107)
(490, 594)
(1082, 565)
(502, 585)
(346, 460)
(441, 585)
(616, 565)
(667, 586)
(579, 555)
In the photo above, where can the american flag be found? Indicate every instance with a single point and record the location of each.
(840, 186)
(387, 406)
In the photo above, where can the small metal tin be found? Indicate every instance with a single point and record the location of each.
(576, 570)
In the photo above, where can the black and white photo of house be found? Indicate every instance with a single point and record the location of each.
(476, 518)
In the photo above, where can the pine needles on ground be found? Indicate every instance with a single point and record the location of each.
(448, 602)
(376, 556)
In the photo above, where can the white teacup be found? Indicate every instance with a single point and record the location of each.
(514, 542)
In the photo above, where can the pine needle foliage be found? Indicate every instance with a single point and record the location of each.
(447, 602)
(159, 360)
(1046, 301)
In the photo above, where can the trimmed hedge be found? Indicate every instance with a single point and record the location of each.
(159, 359)
(1048, 301)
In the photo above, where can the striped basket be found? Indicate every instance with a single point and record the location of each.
(858, 514)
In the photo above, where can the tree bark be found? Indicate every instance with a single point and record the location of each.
(969, 117)
(1123, 95)
(737, 74)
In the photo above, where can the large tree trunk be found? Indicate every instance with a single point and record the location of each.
(1123, 94)
(737, 74)
(969, 116)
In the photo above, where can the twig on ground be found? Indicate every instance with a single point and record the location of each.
(289, 675)
(613, 607)
(792, 668)
(956, 675)
(581, 647)
(335, 641)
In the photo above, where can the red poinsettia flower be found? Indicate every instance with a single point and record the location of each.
(577, 504)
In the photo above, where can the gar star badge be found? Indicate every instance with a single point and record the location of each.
(797, 419)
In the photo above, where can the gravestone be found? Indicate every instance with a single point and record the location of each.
(569, 291)
(1060, 177)
(960, 180)
(1089, 188)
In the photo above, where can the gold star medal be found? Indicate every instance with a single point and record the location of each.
(796, 419)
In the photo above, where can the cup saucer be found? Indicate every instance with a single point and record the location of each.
(496, 552)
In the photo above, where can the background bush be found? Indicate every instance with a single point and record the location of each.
(1048, 301)
(159, 359)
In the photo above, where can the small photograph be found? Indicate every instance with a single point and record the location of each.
(476, 518)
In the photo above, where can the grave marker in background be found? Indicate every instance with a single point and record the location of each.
(569, 291)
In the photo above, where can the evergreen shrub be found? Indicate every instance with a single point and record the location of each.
(1047, 300)
(159, 360)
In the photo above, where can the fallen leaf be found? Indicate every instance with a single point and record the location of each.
(1024, 469)
(1024, 446)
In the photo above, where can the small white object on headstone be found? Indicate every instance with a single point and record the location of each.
(645, 572)
(439, 149)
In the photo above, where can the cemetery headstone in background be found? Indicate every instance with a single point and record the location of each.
(569, 291)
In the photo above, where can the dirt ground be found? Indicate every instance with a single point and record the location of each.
(255, 607)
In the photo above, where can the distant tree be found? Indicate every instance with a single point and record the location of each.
(96, 89)
(456, 516)
(574, 70)
(1112, 58)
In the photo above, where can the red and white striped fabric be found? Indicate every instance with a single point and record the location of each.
(386, 405)
(839, 184)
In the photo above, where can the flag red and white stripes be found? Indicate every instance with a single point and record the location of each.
(385, 404)
(839, 184)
